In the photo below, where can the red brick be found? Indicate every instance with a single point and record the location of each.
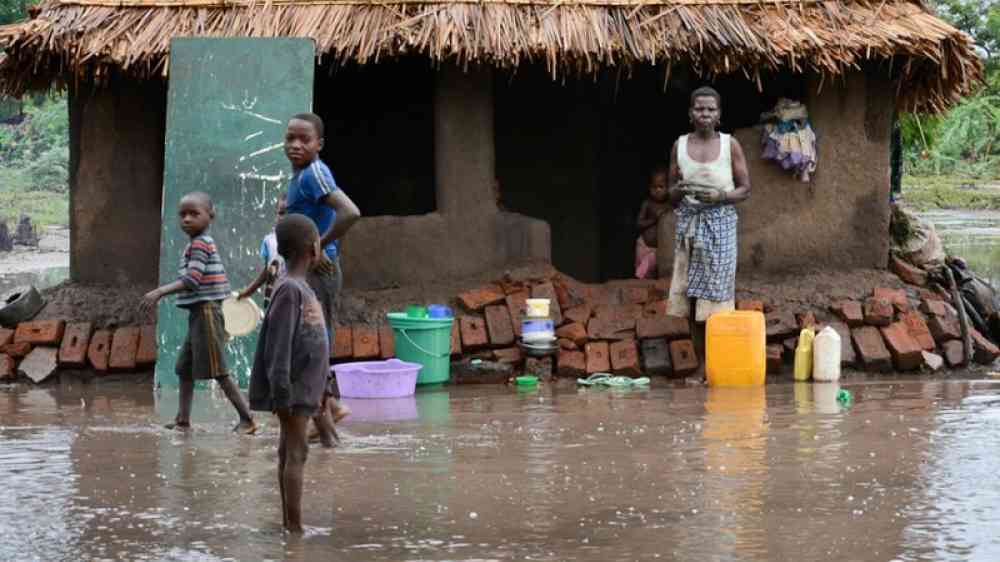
(878, 312)
(906, 352)
(124, 347)
(478, 299)
(908, 272)
(683, 357)
(510, 355)
(781, 325)
(670, 327)
(387, 341)
(618, 311)
(599, 294)
(750, 305)
(655, 356)
(775, 354)
(541, 367)
(6, 336)
(936, 308)
(567, 344)
(598, 360)
(850, 312)
(456, 338)
(917, 327)
(146, 355)
(517, 304)
(927, 294)
(847, 354)
(473, 332)
(609, 329)
(874, 356)
(624, 358)
(510, 286)
(8, 368)
(365, 342)
(635, 295)
(547, 291)
(100, 350)
(897, 297)
(984, 351)
(579, 314)
(16, 350)
(806, 319)
(343, 343)
(42, 332)
(575, 332)
(944, 329)
(567, 295)
(954, 353)
(571, 364)
(76, 340)
(656, 309)
(498, 326)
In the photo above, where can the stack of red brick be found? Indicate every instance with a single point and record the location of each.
(887, 332)
(37, 349)
(618, 328)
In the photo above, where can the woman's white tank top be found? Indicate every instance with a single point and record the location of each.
(717, 174)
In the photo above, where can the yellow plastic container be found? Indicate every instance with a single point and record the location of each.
(735, 348)
(804, 355)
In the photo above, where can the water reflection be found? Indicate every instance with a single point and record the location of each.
(781, 472)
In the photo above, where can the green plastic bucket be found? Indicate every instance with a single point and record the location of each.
(426, 341)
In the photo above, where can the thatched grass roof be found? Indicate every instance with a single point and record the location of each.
(934, 62)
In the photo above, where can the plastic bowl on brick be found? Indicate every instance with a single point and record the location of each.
(377, 379)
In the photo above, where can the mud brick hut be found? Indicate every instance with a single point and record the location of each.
(567, 103)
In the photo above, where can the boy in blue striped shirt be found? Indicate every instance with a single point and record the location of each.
(201, 287)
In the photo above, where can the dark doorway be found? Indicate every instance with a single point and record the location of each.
(380, 134)
(578, 153)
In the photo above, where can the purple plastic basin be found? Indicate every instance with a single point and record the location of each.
(377, 379)
(380, 409)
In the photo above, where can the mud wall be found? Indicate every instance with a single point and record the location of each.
(841, 218)
(116, 181)
(467, 234)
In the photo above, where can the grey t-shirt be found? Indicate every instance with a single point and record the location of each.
(293, 353)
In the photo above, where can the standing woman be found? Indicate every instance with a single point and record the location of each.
(708, 176)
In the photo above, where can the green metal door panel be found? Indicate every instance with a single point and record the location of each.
(228, 102)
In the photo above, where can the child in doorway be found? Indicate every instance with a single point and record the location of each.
(274, 264)
(649, 216)
(201, 288)
(291, 362)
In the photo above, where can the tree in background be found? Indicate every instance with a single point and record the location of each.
(13, 10)
(966, 140)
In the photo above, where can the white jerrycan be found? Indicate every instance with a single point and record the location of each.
(826, 356)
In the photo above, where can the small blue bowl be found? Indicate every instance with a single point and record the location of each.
(439, 311)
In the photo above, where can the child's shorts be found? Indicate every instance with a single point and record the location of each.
(203, 353)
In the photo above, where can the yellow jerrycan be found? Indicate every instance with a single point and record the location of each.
(804, 355)
(735, 348)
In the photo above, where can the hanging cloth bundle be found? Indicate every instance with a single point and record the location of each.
(789, 139)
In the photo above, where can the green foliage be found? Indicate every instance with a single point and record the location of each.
(966, 140)
(34, 163)
(14, 10)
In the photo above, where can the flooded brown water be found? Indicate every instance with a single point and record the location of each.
(782, 472)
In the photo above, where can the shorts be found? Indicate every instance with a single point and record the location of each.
(326, 285)
(203, 354)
